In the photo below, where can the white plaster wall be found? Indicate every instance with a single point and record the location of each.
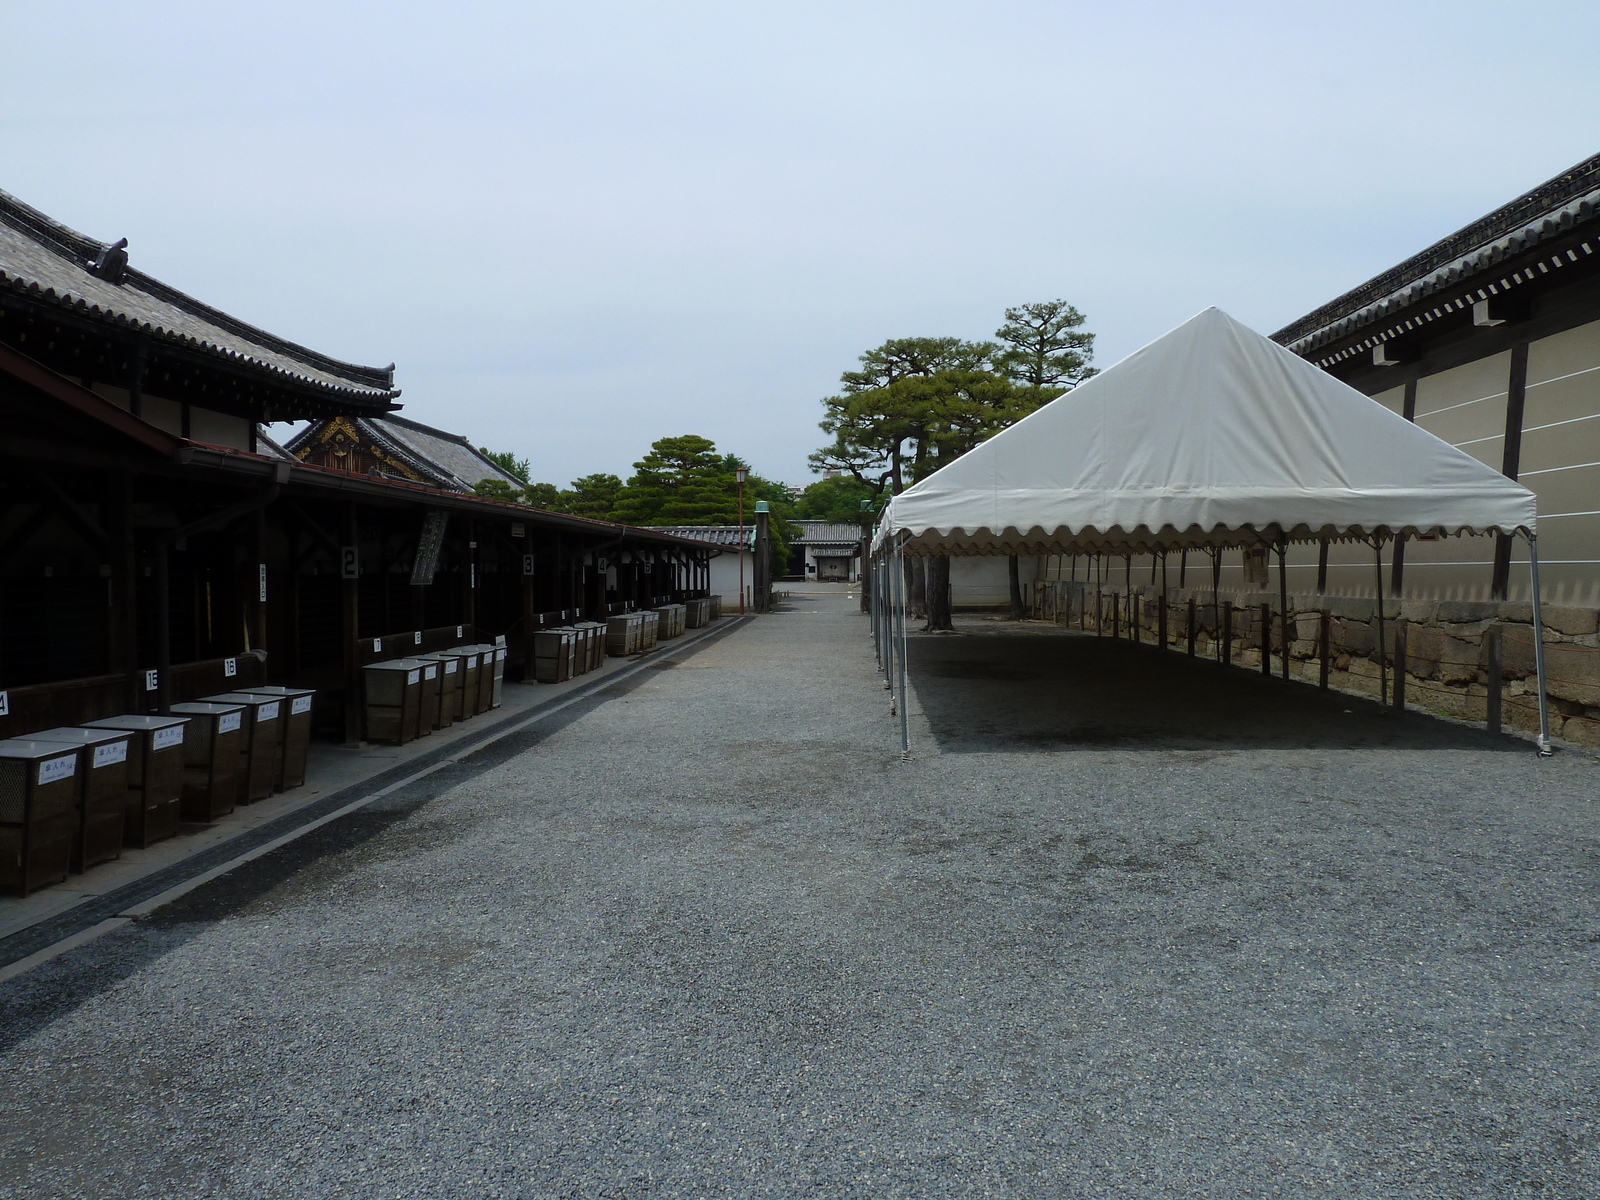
(983, 581)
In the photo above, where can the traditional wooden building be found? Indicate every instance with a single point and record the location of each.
(1490, 339)
(393, 447)
(152, 538)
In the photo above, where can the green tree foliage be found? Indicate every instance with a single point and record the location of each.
(543, 495)
(682, 481)
(507, 462)
(595, 496)
(837, 498)
(917, 404)
(496, 489)
(1045, 346)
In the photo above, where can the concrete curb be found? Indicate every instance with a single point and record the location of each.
(38, 943)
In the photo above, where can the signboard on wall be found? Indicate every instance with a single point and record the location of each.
(429, 542)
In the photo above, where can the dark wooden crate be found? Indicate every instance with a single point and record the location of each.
(210, 758)
(38, 813)
(155, 775)
(102, 791)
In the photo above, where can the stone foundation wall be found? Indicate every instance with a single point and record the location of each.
(1448, 646)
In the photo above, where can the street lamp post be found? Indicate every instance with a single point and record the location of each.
(739, 474)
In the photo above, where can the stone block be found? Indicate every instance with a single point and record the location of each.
(1519, 611)
(1352, 608)
(1574, 622)
(1355, 638)
(1584, 731)
(1303, 649)
(1307, 626)
(1423, 612)
(1571, 672)
(1465, 611)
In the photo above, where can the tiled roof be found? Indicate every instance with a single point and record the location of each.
(453, 456)
(826, 531)
(1553, 208)
(44, 260)
(721, 535)
(443, 459)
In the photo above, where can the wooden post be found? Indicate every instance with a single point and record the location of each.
(1192, 631)
(1322, 649)
(1134, 615)
(1227, 634)
(1116, 615)
(470, 582)
(1266, 639)
(1161, 620)
(350, 611)
(122, 643)
(1496, 678)
(1283, 602)
(1400, 666)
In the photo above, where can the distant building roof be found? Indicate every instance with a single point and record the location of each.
(400, 447)
(44, 260)
(1553, 208)
(721, 535)
(832, 532)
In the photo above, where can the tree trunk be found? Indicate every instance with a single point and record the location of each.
(938, 594)
(1015, 574)
(916, 587)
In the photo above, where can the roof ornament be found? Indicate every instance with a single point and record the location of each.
(112, 263)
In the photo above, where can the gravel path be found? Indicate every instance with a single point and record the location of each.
(1125, 926)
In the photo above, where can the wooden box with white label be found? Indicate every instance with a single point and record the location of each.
(155, 775)
(295, 742)
(210, 758)
(102, 791)
(260, 743)
(394, 700)
(38, 812)
(451, 667)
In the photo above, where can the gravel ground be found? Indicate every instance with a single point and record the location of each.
(1126, 926)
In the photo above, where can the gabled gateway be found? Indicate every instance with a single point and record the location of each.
(1211, 435)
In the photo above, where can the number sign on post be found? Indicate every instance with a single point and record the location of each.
(350, 563)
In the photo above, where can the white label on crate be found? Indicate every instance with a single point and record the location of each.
(267, 712)
(167, 738)
(5, 704)
(228, 722)
(414, 676)
(152, 680)
(52, 769)
(459, 630)
(502, 653)
(430, 672)
(299, 705)
(110, 754)
(472, 660)
(230, 667)
(450, 667)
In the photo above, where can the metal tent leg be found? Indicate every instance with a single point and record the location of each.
(1543, 740)
(905, 714)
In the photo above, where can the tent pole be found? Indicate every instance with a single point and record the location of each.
(1543, 742)
(1283, 601)
(1383, 658)
(1216, 603)
(897, 583)
(905, 705)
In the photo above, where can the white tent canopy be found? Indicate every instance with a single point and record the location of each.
(1211, 435)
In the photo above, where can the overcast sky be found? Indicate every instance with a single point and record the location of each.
(581, 227)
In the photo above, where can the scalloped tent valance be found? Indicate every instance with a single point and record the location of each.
(1212, 435)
